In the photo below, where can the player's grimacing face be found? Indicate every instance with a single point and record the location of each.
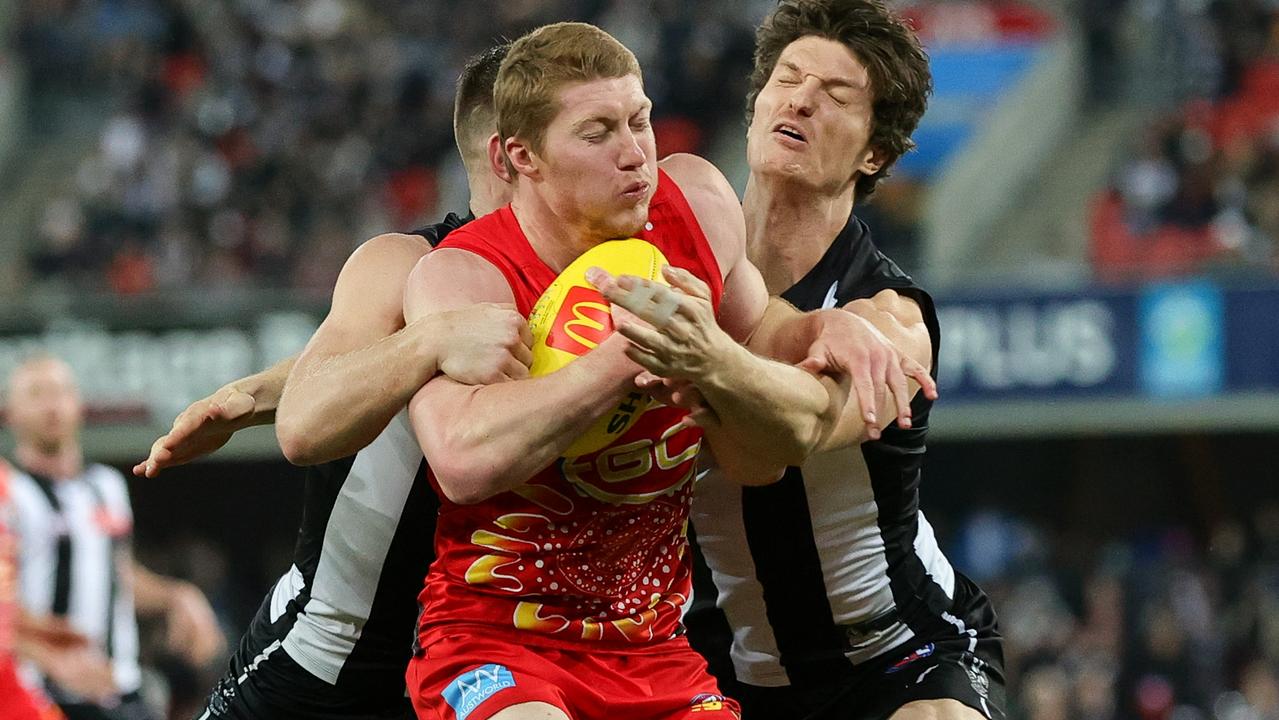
(600, 157)
(44, 405)
(813, 118)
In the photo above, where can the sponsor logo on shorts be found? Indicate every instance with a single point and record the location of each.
(975, 667)
(706, 702)
(222, 696)
(471, 688)
(919, 654)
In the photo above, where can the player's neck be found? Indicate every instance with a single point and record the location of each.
(556, 241)
(62, 462)
(487, 195)
(789, 228)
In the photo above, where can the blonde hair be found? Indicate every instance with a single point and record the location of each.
(544, 61)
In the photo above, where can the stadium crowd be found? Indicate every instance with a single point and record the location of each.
(1201, 190)
(1156, 626)
(258, 142)
(254, 142)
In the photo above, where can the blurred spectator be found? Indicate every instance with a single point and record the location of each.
(1201, 188)
(1163, 631)
(258, 143)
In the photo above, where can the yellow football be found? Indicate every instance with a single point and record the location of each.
(572, 318)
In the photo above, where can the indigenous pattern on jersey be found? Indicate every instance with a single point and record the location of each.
(345, 610)
(593, 548)
(73, 539)
(834, 564)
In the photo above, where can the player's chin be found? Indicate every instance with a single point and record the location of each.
(627, 221)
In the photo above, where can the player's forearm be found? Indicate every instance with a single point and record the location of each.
(770, 415)
(911, 337)
(334, 406)
(785, 333)
(485, 440)
(265, 388)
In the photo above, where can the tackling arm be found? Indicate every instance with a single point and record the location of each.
(364, 363)
(207, 424)
(483, 440)
(769, 415)
(863, 328)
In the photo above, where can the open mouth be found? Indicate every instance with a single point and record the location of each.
(635, 189)
(790, 131)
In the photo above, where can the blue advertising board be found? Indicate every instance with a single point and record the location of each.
(968, 85)
(1164, 341)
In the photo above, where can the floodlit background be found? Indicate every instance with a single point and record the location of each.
(1094, 203)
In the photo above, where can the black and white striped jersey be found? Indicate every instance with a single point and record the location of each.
(835, 563)
(345, 610)
(73, 540)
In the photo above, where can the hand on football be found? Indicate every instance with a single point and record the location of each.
(678, 337)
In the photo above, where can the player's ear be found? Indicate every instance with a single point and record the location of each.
(521, 157)
(498, 162)
(871, 161)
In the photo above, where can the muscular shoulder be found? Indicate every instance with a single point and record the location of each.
(701, 182)
(714, 204)
(372, 280)
(390, 248)
(450, 278)
(374, 274)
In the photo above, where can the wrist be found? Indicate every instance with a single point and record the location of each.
(250, 386)
(727, 361)
(822, 321)
(617, 370)
(423, 343)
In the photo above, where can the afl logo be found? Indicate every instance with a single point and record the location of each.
(583, 322)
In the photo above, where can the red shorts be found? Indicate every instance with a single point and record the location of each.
(467, 677)
(16, 703)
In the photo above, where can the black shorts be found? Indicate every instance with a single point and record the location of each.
(946, 666)
(264, 683)
(944, 670)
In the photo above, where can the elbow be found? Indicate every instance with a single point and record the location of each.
(461, 493)
(466, 471)
(464, 484)
(756, 478)
(750, 472)
(796, 446)
(299, 446)
(298, 451)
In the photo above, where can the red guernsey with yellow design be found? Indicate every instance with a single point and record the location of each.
(594, 548)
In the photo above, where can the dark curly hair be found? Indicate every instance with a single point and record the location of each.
(882, 41)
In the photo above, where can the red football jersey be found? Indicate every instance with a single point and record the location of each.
(593, 548)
